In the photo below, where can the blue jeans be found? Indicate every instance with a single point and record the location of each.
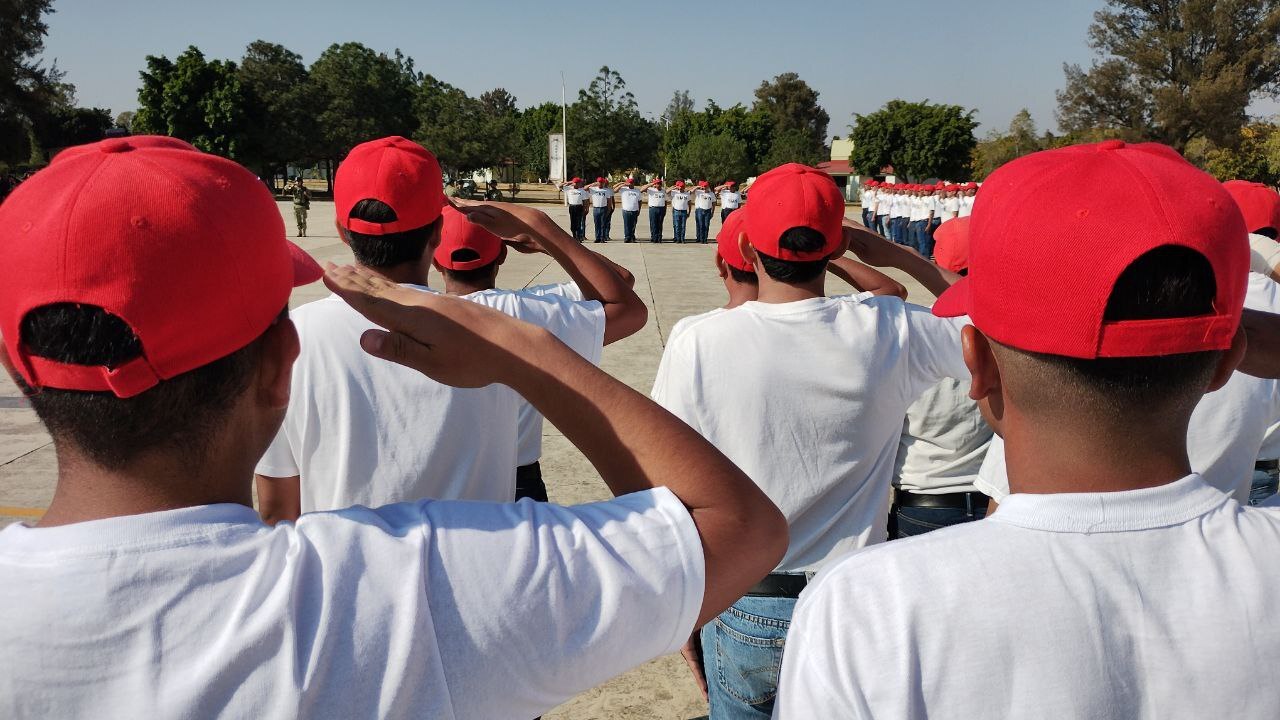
(725, 213)
(909, 521)
(656, 216)
(629, 219)
(601, 216)
(882, 225)
(678, 218)
(929, 230)
(899, 232)
(702, 224)
(916, 235)
(578, 222)
(1265, 483)
(867, 218)
(742, 655)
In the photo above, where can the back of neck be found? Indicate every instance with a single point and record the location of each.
(774, 292)
(409, 273)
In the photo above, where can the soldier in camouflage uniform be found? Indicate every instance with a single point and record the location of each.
(301, 203)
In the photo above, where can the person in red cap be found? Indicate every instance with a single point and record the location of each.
(656, 197)
(880, 211)
(679, 210)
(704, 203)
(1260, 206)
(150, 329)
(602, 204)
(629, 194)
(729, 197)
(388, 202)
(807, 394)
(576, 198)
(469, 257)
(968, 194)
(1115, 579)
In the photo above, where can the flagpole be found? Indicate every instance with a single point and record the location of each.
(564, 132)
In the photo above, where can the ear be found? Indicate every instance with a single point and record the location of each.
(280, 348)
(434, 241)
(502, 255)
(342, 233)
(7, 362)
(1230, 360)
(748, 252)
(985, 385)
(722, 269)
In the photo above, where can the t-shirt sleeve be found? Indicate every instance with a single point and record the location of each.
(555, 600)
(933, 349)
(580, 324)
(278, 461)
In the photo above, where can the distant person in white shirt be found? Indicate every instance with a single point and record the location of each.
(679, 210)
(1115, 582)
(151, 589)
(363, 432)
(884, 204)
(602, 204)
(656, 197)
(867, 199)
(806, 394)
(576, 197)
(704, 204)
(967, 196)
(629, 194)
(469, 257)
(730, 199)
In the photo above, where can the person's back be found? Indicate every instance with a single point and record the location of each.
(1114, 581)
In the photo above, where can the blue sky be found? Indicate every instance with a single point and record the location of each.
(995, 56)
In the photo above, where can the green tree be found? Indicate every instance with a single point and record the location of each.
(64, 127)
(124, 120)
(196, 100)
(362, 95)
(680, 103)
(31, 94)
(282, 108)
(793, 106)
(919, 139)
(606, 130)
(452, 125)
(1254, 156)
(1000, 148)
(1174, 70)
(791, 146)
(533, 126)
(713, 157)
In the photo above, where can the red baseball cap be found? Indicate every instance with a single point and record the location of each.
(730, 183)
(187, 248)
(393, 170)
(702, 183)
(1044, 253)
(795, 195)
(576, 180)
(657, 181)
(679, 183)
(951, 244)
(1259, 204)
(600, 179)
(459, 233)
(727, 240)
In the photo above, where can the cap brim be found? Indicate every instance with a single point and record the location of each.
(955, 301)
(305, 269)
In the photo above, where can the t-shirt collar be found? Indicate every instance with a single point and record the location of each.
(1128, 510)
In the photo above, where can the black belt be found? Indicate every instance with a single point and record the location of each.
(780, 585)
(955, 501)
(1267, 465)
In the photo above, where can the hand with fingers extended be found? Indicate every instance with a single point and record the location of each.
(523, 227)
(452, 341)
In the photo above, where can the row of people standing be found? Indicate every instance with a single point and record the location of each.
(680, 196)
(908, 214)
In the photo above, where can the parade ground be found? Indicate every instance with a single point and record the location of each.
(673, 280)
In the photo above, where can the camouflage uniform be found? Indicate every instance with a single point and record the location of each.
(301, 203)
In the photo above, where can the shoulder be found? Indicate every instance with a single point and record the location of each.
(686, 324)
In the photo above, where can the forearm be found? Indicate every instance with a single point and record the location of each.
(935, 279)
(1262, 356)
(594, 277)
(865, 278)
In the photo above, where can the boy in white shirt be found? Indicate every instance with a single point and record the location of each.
(629, 194)
(704, 202)
(602, 204)
(152, 587)
(576, 197)
(1114, 582)
(730, 199)
(679, 210)
(806, 393)
(656, 197)
(364, 432)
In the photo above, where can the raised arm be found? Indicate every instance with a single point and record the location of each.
(876, 251)
(624, 312)
(634, 444)
(1262, 356)
(865, 278)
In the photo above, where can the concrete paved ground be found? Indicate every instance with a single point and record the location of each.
(673, 280)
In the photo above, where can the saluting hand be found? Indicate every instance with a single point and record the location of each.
(519, 225)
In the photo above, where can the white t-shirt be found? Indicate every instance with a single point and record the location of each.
(950, 208)
(600, 196)
(944, 440)
(966, 205)
(366, 431)
(808, 398)
(1264, 254)
(630, 199)
(1227, 429)
(884, 203)
(901, 206)
(704, 199)
(919, 208)
(577, 323)
(680, 200)
(575, 196)
(729, 200)
(657, 197)
(1154, 603)
(427, 609)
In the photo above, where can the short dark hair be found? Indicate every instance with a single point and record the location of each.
(1267, 232)
(746, 277)
(1167, 282)
(474, 276)
(797, 239)
(180, 414)
(384, 251)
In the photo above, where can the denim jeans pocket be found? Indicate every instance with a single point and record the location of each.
(749, 655)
